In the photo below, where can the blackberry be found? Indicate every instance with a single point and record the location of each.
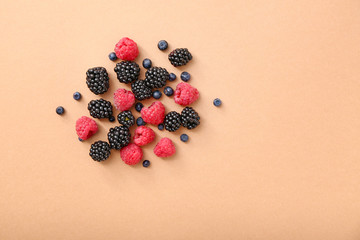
(180, 57)
(127, 71)
(99, 151)
(126, 118)
(119, 137)
(189, 118)
(140, 90)
(172, 121)
(156, 77)
(97, 80)
(100, 108)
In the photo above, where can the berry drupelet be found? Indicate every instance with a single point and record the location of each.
(140, 90)
(119, 137)
(100, 108)
(100, 151)
(172, 121)
(126, 118)
(97, 80)
(180, 57)
(127, 71)
(156, 77)
(189, 118)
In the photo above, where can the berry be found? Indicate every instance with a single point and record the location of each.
(168, 91)
(99, 151)
(146, 163)
(100, 108)
(80, 139)
(97, 80)
(131, 154)
(189, 118)
(157, 94)
(180, 57)
(138, 106)
(127, 71)
(172, 77)
(60, 110)
(217, 102)
(184, 137)
(185, 94)
(119, 137)
(140, 90)
(143, 135)
(112, 56)
(156, 77)
(140, 121)
(77, 96)
(85, 127)
(154, 114)
(123, 99)
(112, 119)
(172, 121)
(126, 49)
(161, 126)
(185, 76)
(164, 148)
(162, 45)
(147, 63)
(126, 118)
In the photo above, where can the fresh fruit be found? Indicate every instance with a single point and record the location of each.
(189, 118)
(100, 108)
(185, 76)
(97, 80)
(164, 148)
(127, 71)
(185, 94)
(60, 110)
(146, 163)
(172, 121)
(123, 99)
(99, 151)
(154, 114)
(131, 154)
(156, 77)
(180, 57)
(140, 121)
(162, 45)
(184, 137)
(126, 49)
(143, 135)
(217, 102)
(147, 63)
(168, 91)
(138, 106)
(119, 137)
(172, 77)
(157, 94)
(126, 118)
(77, 96)
(140, 90)
(112, 119)
(161, 126)
(112, 56)
(85, 127)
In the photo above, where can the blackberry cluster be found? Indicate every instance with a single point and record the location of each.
(119, 137)
(100, 108)
(140, 90)
(190, 118)
(172, 121)
(127, 71)
(126, 118)
(99, 151)
(180, 57)
(156, 77)
(97, 80)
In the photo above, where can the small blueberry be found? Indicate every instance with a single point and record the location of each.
(60, 110)
(147, 63)
(146, 163)
(77, 96)
(157, 94)
(184, 137)
(140, 121)
(161, 126)
(138, 106)
(162, 45)
(80, 140)
(111, 118)
(168, 91)
(217, 102)
(112, 56)
(172, 77)
(185, 76)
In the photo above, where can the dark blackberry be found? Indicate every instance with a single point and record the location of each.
(119, 137)
(172, 121)
(189, 118)
(126, 118)
(140, 90)
(100, 108)
(180, 57)
(156, 77)
(99, 151)
(127, 71)
(97, 80)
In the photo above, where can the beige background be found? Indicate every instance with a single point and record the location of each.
(279, 160)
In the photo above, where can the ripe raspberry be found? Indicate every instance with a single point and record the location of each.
(185, 94)
(85, 127)
(164, 148)
(143, 135)
(154, 114)
(131, 154)
(123, 99)
(126, 49)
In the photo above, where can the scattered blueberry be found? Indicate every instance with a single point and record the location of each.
(184, 137)
(168, 91)
(138, 106)
(161, 126)
(77, 96)
(217, 102)
(112, 56)
(157, 94)
(172, 77)
(112, 119)
(185, 76)
(146, 163)
(80, 140)
(162, 45)
(60, 110)
(140, 121)
(147, 63)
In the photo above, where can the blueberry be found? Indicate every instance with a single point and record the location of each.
(147, 63)
(172, 77)
(80, 140)
(185, 76)
(140, 121)
(161, 126)
(112, 119)
(184, 137)
(77, 96)
(138, 106)
(146, 163)
(168, 91)
(112, 56)
(157, 94)
(60, 110)
(162, 45)
(217, 102)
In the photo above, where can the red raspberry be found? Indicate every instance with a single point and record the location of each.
(164, 148)
(85, 127)
(143, 135)
(154, 114)
(131, 154)
(185, 94)
(123, 99)
(126, 49)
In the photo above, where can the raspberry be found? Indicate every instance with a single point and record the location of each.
(154, 114)
(123, 99)
(131, 154)
(85, 127)
(126, 49)
(164, 148)
(143, 135)
(185, 94)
